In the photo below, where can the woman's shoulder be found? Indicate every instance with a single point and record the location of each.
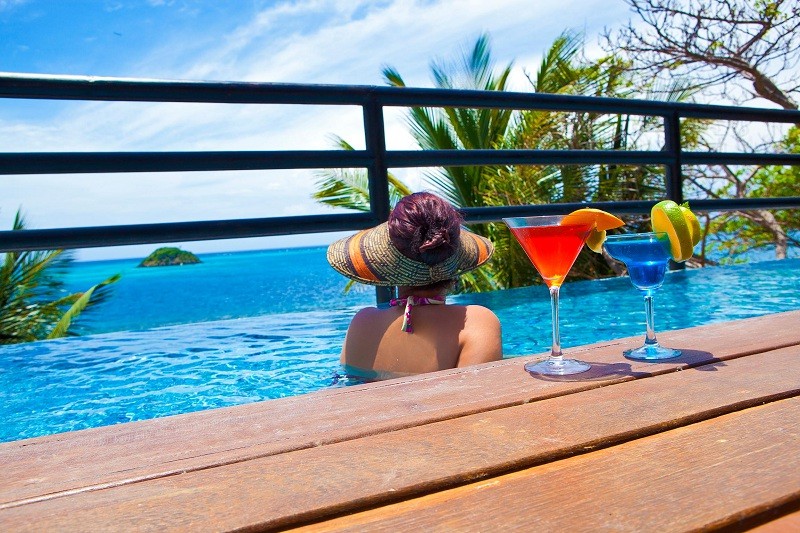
(481, 312)
(476, 318)
(369, 315)
(481, 336)
(365, 313)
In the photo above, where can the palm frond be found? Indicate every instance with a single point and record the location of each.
(92, 296)
(555, 74)
(397, 189)
(31, 289)
(346, 188)
(349, 188)
(392, 77)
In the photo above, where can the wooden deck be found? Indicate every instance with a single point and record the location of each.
(707, 441)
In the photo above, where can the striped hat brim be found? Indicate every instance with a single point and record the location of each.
(370, 257)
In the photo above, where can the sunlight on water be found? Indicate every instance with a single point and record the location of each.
(64, 385)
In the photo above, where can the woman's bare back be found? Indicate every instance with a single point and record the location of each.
(444, 336)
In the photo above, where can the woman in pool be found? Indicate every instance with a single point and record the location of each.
(421, 250)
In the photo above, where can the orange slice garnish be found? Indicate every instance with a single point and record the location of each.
(599, 220)
(596, 218)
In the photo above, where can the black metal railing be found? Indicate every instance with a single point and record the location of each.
(375, 157)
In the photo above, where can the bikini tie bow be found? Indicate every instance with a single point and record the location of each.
(410, 302)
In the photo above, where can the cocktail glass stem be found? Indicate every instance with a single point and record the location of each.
(651, 351)
(555, 352)
(556, 365)
(650, 336)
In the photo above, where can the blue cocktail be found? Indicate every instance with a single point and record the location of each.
(646, 256)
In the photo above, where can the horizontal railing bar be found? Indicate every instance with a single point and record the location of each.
(446, 158)
(736, 158)
(744, 204)
(122, 89)
(481, 215)
(451, 158)
(101, 236)
(421, 97)
(96, 236)
(95, 162)
(139, 90)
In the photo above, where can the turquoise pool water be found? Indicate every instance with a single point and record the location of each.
(102, 379)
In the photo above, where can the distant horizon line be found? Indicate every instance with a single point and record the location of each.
(202, 254)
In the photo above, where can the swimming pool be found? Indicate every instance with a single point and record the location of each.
(70, 384)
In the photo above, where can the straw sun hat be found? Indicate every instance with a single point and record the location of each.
(370, 257)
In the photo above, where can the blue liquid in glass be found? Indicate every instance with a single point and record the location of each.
(646, 257)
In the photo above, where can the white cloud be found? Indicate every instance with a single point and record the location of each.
(10, 4)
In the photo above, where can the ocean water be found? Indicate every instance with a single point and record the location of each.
(253, 326)
(223, 286)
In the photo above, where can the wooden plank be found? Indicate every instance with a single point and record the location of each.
(128, 453)
(704, 476)
(784, 524)
(346, 476)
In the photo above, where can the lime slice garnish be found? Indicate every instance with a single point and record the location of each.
(667, 217)
(694, 224)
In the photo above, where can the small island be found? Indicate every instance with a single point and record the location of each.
(169, 256)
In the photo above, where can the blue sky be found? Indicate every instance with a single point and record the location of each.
(313, 41)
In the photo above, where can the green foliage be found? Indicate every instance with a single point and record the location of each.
(564, 70)
(464, 129)
(33, 305)
(733, 51)
(760, 229)
(437, 128)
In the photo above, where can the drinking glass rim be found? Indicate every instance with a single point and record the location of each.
(658, 235)
(541, 220)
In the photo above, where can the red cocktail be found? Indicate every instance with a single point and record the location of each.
(552, 249)
(552, 246)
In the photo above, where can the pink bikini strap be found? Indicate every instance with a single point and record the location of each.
(410, 302)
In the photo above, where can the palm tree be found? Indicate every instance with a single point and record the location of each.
(441, 129)
(32, 304)
(563, 70)
(458, 128)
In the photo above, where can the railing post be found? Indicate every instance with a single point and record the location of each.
(377, 173)
(672, 145)
(673, 175)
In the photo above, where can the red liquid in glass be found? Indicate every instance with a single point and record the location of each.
(552, 249)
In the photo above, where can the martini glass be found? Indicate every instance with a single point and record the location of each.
(646, 256)
(552, 247)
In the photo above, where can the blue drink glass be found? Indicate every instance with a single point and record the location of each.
(646, 256)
